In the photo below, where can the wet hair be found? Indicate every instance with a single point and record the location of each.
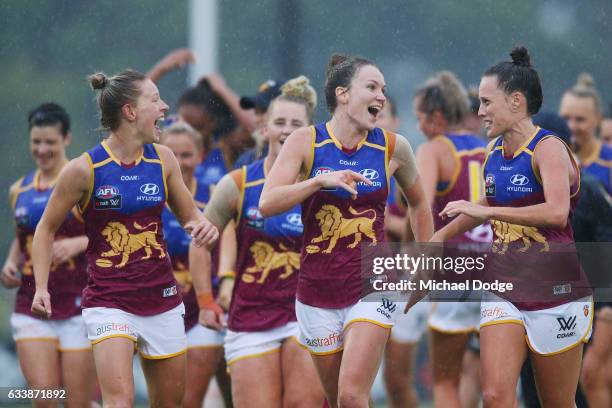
(49, 114)
(300, 91)
(585, 88)
(340, 72)
(444, 93)
(183, 128)
(202, 96)
(115, 92)
(519, 75)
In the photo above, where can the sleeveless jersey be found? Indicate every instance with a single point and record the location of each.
(335, 225)
(466, 184)
(268, 260)
(178, 242)
(128, 264)
(212, 168)
(66, 280)
(542, 263)
(601, 166)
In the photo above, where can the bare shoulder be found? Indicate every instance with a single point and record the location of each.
(301, 139)
(550, 146)
(165, 154)
(77, 172)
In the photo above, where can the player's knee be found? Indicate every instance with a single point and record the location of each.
(590, 376)
(497, 396)
(119, 402)
(349, 397)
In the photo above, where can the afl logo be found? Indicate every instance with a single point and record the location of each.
(294, 219)
(519, 180)
(149, 189)
(253, 213)
(369, 174)
(106, 192)
(322, 170)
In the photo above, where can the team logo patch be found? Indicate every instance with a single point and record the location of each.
(371, 175)
(585, 309)
(323, 170)
(519, 180)
(294, 219)
(490, 185)
(386, 308)
(171, 291)
(566, 326)
(107, 197)
(254, 219)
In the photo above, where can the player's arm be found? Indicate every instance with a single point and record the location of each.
(221, 208)
(227, 265)
(281, 192)
(405, 171)
(72, 185)
(11, 265)
(175, 59)
(245, 117)
(182, 204)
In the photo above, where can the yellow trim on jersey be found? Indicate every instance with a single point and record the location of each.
(457, 171)
(116, 160)
(493, 322)
(364, 320)
(77, 214)
(263, 353)
(571, 156)
(474, 180)
(604, 163)
(241, 199)
(308, 167)
(14, 195)
(387, 159)
(362, 142)
(326, 141)
(161, 162)
(102, 163)
(178, 353)
(451, 331)
(594, 156)
(489, 151)
(523, 147)
(255, 182)
(91, 183)
(471, 151)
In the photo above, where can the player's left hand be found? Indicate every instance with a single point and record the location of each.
(65, 249)
(454, 208)
(203, 232)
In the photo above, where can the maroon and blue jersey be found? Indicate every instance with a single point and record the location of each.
(212, 168)
(335, 225)
(601, 166)
(178, 240)
(128, 264)
(466, 184)
(66, 280)
(541, 262)
(268, 259)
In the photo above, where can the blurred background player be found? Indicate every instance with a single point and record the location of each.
(52, 353)
(204, 346)
(131, 299)
(345, 335)
(605, 133)
(400, 353)
(268, 368)
(450, 162)
(582, 110)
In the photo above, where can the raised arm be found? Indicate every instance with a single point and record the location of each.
(72, 185)
(182, 204)
(175, 59)
(245, 117)
(403, 164)
(11, 265)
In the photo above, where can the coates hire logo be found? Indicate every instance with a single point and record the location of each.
(371, 175)
(106, 192)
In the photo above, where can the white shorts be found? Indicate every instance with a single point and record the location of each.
(322, 330)
(70, 333)
(455, 317)
(409, 327)
(158, 336)
(199, 336)
(548, 331)
(241, 345)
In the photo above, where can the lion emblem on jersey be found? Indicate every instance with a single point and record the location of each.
(27, 265)
(507, 233)
(267, 259)
(334, 226)
(123, 243)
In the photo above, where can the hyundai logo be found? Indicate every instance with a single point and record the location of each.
(370, 174)
(519, 180)
(294, 219)
(149, 189)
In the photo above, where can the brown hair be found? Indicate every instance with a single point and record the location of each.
(115, 92)
(340, 71)
(444, 93)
